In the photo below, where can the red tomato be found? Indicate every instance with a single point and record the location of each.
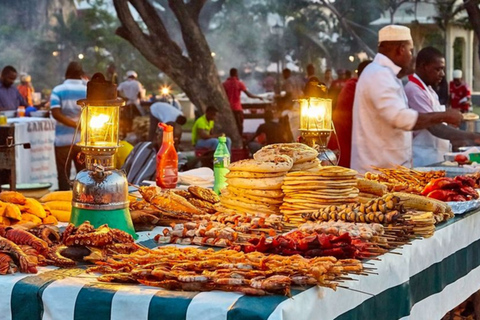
(460, 158)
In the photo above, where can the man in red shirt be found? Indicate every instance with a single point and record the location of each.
(233, 88)
(459, 92)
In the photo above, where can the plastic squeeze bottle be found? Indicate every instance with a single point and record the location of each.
(221, 161)
(167, 160)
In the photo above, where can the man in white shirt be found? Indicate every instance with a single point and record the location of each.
(166, 113)
(429, 145)
(382, 121)
(131, 90)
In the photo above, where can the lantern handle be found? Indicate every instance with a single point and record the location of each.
(67, 174)
(81, 158)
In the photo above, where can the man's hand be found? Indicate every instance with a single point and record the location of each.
(453, 117)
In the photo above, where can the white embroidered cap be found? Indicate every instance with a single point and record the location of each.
(131, 73)
(394, 33)
(457, 74)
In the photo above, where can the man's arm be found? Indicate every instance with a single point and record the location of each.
(426, 120)
(251, 95)
(204, 134)
(60, 117)
(443, 131)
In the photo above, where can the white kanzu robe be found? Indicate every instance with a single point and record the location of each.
(382, 120)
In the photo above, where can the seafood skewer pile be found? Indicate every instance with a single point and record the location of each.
(22, 251)
(366, 231)
(209, 233)
(160, 208)
(313, 245)
(254, 273)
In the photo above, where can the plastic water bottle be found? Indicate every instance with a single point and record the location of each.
(221, 161)
(167, 160)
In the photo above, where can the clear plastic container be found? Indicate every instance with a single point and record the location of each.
(21, 112)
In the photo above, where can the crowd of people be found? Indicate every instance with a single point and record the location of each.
(407, 122)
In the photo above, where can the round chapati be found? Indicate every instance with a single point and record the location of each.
(299, 152)
(278, 163)
(307, 165)
(256, 183)
(251, 199)
(253, 206)
(328, 171)
(247, 174)
(249, 210)
(258, 193)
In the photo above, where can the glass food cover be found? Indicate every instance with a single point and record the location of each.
(101, 126)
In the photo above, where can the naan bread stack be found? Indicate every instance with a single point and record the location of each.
(304, 157)
(254, 187)
(309, 190)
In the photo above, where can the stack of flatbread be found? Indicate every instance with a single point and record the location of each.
(310, 190)
(304, 157)
(255, 187)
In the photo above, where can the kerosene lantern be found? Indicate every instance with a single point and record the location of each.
(100, 192)
(316, 127)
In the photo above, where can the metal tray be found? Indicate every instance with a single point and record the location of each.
(449, 170)
(461, 207)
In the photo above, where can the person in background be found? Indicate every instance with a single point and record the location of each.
(271, 130)
(342, 118)
(131, 90)
(327, 78)
(313, 86)
(291, 85)
(382, 120)
(112, 73)
(337, 86)
(269, 83)
(234, 88)
(64, 108)
(429, 145)
(166, 113)
(460, 94)
(10, 98)
(122, 153)
(141, 162)
(442, 91)
(26, 89)
(202, 136)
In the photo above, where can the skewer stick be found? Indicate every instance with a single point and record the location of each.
(134, 185)
(369, 294)
(345, 278)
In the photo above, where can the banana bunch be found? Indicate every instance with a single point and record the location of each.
(59, 203)
(15, 208)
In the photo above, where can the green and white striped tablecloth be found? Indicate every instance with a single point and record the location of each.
(429, 278)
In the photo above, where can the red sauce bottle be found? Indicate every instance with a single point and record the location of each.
(167, 160)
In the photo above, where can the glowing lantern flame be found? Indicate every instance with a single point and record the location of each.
(97, 122)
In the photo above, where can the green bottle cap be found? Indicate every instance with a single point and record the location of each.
(222, 139)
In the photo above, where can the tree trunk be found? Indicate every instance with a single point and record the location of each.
(196, 74)
(348, 29)
(474, 16)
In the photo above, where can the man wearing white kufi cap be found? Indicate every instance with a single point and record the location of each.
(382, 121)
(132, 91)
(460, 93)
